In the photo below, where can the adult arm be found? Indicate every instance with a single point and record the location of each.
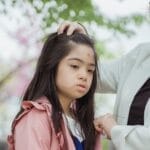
(131, 137)
(124, 137)
(114, 72)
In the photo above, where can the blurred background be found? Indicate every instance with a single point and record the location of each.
(116, 25)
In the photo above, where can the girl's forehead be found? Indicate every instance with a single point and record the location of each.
(81, 52)
(81, 49)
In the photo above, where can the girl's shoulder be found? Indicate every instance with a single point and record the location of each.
(33, 108)
(39, 104)
(36, 115)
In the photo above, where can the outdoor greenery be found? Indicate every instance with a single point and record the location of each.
(54, 11)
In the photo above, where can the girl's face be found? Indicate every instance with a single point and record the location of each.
(75, 72)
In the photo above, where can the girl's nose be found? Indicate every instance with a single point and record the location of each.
(83, 75)
(83, 78)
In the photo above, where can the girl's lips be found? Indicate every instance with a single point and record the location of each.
(81, 87)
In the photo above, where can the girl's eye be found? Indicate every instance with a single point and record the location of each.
(74, 66)
(91, 71)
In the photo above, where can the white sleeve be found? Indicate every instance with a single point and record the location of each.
(136, 137)
(112, 71)
(109, 73)
(131, 137)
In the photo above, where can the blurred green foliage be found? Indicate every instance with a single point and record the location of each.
(82, 11)
(54, 12)
(105, 144)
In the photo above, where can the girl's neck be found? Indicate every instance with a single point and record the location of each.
(65, 103)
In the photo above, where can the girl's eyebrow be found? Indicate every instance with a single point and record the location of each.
(81, 61)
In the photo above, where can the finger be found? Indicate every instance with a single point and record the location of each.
(71, 29)
(98, 120)
(98, 126)
(99, 129)
(61, 29)
(80, 29)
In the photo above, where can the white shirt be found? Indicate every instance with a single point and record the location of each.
(74, 127)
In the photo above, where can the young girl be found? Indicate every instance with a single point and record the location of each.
(57, 109)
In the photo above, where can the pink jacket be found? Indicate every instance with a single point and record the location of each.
(34, 130)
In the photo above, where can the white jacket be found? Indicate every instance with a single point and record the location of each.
(125, 77)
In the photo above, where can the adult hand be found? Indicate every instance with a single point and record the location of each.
(70, 28)
(106, 122)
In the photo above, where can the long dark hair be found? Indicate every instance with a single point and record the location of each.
(43, 83)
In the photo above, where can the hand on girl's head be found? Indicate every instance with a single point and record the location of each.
(70, 27)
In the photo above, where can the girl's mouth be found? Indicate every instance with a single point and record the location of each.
(81, 87)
